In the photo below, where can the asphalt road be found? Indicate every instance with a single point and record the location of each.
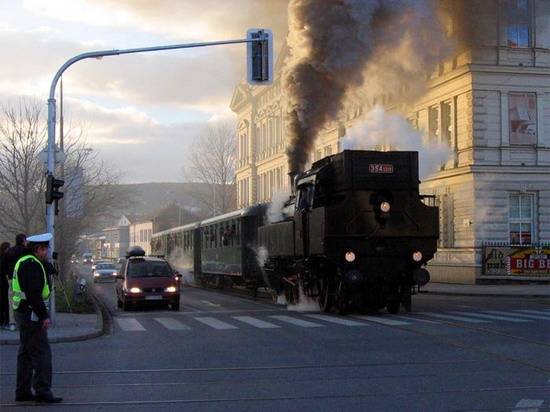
(228, 353)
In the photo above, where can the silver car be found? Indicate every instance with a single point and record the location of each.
(105, 272)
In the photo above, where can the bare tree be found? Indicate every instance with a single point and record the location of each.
(212, 161)
(22, 136)
(88, 189)
(88, 182)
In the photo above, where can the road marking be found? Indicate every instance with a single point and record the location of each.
(129, 324)
(534, 312)
(453, 317)
(215, 323)
(172, 324)
(207, 302)
(521, 315)
(414, 319)
(256, 322)
(339, 321)
(493, 317)
(297, 322)
(383, 320)
(532, 405)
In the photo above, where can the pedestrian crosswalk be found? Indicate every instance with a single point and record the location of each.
(318, 320)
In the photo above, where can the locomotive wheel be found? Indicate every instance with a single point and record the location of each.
(393, 306)
(325, 295)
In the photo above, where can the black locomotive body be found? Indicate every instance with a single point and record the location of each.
(356, 233)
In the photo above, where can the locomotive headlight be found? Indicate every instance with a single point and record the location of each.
(349, 256)
(385, 207)
(417, 256)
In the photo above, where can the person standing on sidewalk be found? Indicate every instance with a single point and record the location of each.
(14, 253)
(4, 287)
(31, 290)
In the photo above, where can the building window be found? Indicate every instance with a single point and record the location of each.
(433, 123)
(518, 26)
(523, 118)
(328, 150)
(521, 218)
(446, 124)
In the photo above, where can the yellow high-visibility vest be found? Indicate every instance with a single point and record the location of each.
(18, 294)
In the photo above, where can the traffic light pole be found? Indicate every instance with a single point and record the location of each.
(50, 167)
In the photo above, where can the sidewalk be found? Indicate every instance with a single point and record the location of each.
(534, 290)
(69, 327)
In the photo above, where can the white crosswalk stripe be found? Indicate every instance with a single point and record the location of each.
(296, 321)
(383, 320)
(257, 323)
(129, 325)
(521, 315)
(414, 319)
(493, 317)
(334, 319)
(534, 312)
(215, 323)
(172, 324)
(453, 317)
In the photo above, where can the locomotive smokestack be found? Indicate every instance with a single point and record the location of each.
(292, 177)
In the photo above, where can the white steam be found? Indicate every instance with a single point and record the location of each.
(305, 303)
(275, 211)
(182, 264)
(380, 130)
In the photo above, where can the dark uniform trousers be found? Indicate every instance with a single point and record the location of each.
(34, 356)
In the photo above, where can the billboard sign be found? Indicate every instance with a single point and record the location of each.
(516, 261)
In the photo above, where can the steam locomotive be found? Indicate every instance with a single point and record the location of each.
(355, 233)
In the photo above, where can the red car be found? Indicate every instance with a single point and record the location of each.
(144, 280)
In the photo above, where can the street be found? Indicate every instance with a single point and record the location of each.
(229, 353)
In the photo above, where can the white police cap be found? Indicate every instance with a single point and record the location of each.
(43, 238)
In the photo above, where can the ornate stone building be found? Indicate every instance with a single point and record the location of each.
(490, 103)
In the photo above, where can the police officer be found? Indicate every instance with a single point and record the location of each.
(31, 290)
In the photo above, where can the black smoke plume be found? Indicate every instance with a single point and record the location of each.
(330, 45)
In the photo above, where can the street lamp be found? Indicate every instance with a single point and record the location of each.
(259, 58)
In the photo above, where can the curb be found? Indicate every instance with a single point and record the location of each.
(484, 295)
(101, 313)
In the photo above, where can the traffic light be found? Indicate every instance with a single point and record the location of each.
(259, 56)
(52, 189)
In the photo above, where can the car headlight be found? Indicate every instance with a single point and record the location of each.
(135, 290)
(115, 273)
(349, 256)
(170, 289)
(96, 274)
(417, 256)
(385, 207)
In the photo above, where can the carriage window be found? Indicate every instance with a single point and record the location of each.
(305, 200)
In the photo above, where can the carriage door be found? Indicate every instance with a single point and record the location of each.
(301, 218)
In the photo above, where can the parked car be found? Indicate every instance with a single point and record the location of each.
(105, 272)
(144, 280)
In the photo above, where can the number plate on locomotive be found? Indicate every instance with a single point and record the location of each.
(380, 168)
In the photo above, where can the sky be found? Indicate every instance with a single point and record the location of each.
(139, 112)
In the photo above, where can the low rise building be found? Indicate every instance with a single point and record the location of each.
(140, 232)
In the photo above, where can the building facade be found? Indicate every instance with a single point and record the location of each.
(140, 233)
(490, 103)
(117, 239)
